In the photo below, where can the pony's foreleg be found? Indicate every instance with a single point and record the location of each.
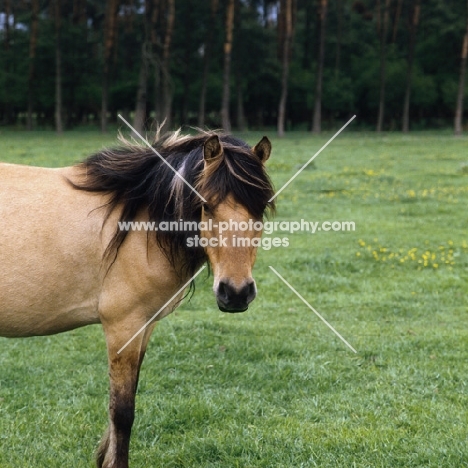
(124, 370)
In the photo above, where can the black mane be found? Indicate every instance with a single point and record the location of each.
(137, 179)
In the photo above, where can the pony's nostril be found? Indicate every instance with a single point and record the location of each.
(223, 290)
(251, 292)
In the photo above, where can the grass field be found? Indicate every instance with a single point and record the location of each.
(274, 387)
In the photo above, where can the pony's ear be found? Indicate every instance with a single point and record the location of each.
(212, 148)
(262, 149)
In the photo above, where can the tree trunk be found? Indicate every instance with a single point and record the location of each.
(128, 21)
(397, 20)
(166, 87)
(379, 12)
(158, 106)
(206, 63)
(317, 116)
(383, 65)
(189, 26)
(110, 28)
(286, 30)
(58, 68)
(241, 122)
(461, 83)
(155, 55)
(9, 116)
(225, 119)
(308, 36)
(414, 21)
(140, 109)
(339, 35)
(32, 59)
(139, 118)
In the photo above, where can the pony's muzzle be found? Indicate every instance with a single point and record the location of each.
(234, 299)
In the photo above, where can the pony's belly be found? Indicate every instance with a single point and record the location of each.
(43, 301)
(17, 324)
(42, 296)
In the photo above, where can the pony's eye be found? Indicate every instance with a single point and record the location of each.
(206, 209)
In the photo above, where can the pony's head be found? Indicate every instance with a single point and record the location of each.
(237, 192)
(226, 172)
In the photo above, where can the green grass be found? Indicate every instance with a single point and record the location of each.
(274, 387)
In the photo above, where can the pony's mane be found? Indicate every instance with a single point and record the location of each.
(136, 179)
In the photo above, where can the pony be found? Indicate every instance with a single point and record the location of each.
(67, 262)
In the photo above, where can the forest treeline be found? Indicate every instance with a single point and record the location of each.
(289, 64)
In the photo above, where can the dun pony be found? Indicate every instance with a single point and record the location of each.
(66, 263)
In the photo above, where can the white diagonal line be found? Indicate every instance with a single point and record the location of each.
(161, 309)
(312, 158)
(313, 310)
(162, 159)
